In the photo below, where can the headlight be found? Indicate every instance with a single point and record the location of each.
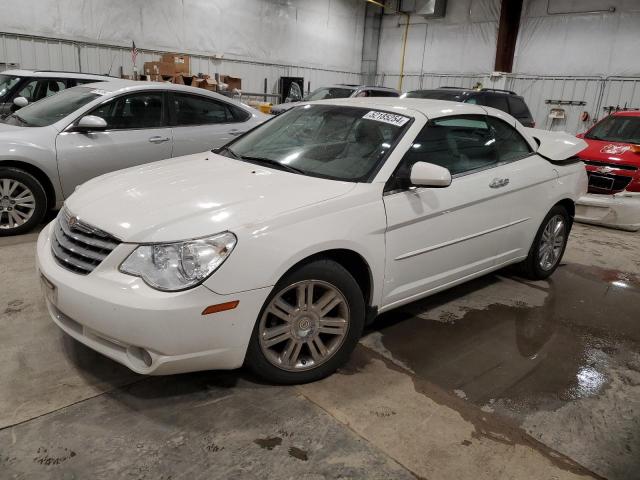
(178, 266)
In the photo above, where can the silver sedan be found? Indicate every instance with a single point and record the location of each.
(58, 143)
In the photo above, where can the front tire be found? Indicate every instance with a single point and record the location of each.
(23, 201)
(309, 324)
(548, 246)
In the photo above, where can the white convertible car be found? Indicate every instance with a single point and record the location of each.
(275, 250)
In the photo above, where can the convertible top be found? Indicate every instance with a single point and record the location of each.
(557, 147)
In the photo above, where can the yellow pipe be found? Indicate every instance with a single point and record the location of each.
(404, 50)
(404, 41)
(376, 3)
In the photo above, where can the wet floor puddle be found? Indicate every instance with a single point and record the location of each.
(527, 356)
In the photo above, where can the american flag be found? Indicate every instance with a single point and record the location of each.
(134, 53)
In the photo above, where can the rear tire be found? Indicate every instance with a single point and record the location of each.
(23, 201)
(308, 326)
(548, 245)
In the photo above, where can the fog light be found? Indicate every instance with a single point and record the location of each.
(146, 358)
(140, 355)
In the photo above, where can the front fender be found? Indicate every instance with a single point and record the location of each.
(266, 251)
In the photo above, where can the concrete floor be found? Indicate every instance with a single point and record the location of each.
(499, 378)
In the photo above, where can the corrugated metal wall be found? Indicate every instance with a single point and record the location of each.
(598, 93)
(47, 53)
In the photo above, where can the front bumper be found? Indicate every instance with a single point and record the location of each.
(620, 210)
(149, 331)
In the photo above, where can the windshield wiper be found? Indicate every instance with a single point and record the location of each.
(20, 119)
(226, 149)
(273, 163)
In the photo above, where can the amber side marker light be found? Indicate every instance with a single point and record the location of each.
(221, 307)
(635, 148)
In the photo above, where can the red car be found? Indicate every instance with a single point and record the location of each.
(613, 166)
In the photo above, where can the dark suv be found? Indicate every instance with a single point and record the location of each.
(504, 100)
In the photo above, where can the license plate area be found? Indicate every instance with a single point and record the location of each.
(600, 182)
(49, 290)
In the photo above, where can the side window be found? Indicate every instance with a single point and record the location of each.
(139, 110)
(518, 108)
(496, 101)
(460, 144)
(197, 110)
(29, 91)
(383, 93)
(52, 87)
(509, 143)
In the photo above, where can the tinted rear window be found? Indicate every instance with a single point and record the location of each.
(518, 107)
(496, 101)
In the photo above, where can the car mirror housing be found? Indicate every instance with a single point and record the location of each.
(20, 102)
(90, 123)
(425, 174)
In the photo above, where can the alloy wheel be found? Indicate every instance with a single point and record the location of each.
(304, 325)
(17, 203)
(551, 242)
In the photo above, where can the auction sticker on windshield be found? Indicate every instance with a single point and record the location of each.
(391, 118)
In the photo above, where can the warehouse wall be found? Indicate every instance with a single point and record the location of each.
(550, 41)
(554, 43)
(263, 38)
(463, 41)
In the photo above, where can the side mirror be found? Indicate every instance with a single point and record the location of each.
(90, 123)
(20, 102)
(425, 174)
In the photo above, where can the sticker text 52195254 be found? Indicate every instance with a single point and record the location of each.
(391, 118)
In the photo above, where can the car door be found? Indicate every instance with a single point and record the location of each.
(201, 123)
(136, 133)
(437, 237)
(529, 189)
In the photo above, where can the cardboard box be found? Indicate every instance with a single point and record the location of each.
(180, 62)
(159, 68)
(232, 82)
(210, 84)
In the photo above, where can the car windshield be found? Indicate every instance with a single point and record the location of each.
(452, 95)
(617, 129)
(7, 82)
(51, 109)
(329, 141)
(326, 93)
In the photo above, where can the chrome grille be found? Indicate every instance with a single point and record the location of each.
(79, 247)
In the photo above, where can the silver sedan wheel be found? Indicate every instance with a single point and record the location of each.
(17, 203)
(304, 325)
(552, 242)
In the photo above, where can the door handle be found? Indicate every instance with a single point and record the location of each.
(499, 182)
(159, 139)
(235, 133)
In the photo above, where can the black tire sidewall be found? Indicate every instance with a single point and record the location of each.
(330, 272)
(531, 267)
(39, 195)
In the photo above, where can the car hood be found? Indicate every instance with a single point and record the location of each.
(610, 152)
(4, 128)
(194, 196)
